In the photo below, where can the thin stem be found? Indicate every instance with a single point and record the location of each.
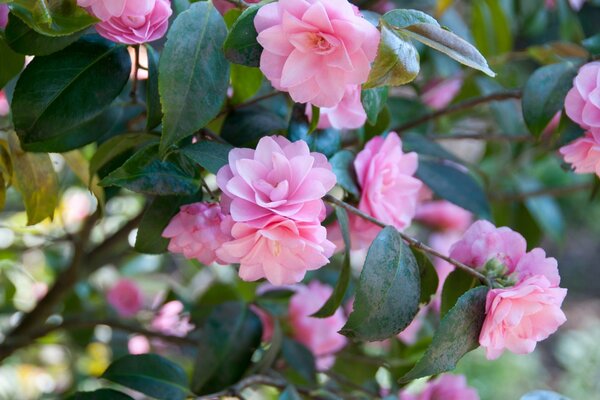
(255, 100)
(136, 66)
(554, 192)
(414, 243)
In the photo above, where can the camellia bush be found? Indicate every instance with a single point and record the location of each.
(287, 199)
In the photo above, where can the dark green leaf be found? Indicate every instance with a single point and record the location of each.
(412, 141)
(150, 374)
(456, 284)
(209, 155)
(343, 168)
(592, 44)
(324, 141)
(275, 301)
(24, 40)
(457, 335)
(52, 18)
(52, 102)
(193, 72)
(373, 101)
(314, 120)
(290, 393)
(388, 293)
(427, 274)
(153, 109)
(381, 125)
(146, 173)
(241, 46)
(116, 146)
(245, 81)
(100, 394)
(270, 356)
(544, 94)
(544, 209)
(491, 28)
(247, 125)
(12, 62)
(300, 359)
(450, 183)
(230, 336)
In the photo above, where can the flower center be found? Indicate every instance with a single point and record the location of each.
(320, 44)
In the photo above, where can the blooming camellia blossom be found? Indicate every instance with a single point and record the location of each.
(198, 230)
(313, 49)
(135, 29)
(347, 114)
(126, 297)
(445, 387)
(319, 335)
(439, 93)
(584, 153)
(443, 215)
(106, 9)
(582, 103)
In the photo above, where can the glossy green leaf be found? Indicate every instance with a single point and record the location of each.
(24, 40)
(314, 120)
(373, 101)
(153, 108)
(405, 17)
(412, 141)
(241, 46)
(544, 209)
(491, 28)
(270, 356)
(592, 44)
(230, 336)
(52, 18)
(100, 394)
(244, 127)
(209, 155)
(193, 73)
(456, 284)
(116, 146)
(451, 183)
(324, 141)
(343, 168)
(52, 103)
(300, 359)
(150, 374)
(457, 334)
(245, 81)
(388, 293)
(12, 62)
(544, 94)
(275, 301)
(427, 274)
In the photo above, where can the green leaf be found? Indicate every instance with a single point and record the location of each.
(412, 141)
(336, 298)
(100, 394)
(150, 374)
(35, 179)
(456, 284)
(24, 40)
(52, 103)
(230, 335)
(314, 121)
(544, 94)
(52, 18)
(396, 63)
(544, 209)
(12, 62)
(343, 168)
(457, 334)
(246, 126)
(405, 17)
(209, 155)
(592, 44)
(270, 356)
(153, 109)
(388, 293)
(491, 28)
(193, 72)
(427, 274)
(146, 173)
(116, 146)
(454, 185)
(373, 101)
(324, 141)
(300, 359)
(543, 395)
(80, 167)
(275, 301)
(241, 46)
(290, 393)
(245, 81)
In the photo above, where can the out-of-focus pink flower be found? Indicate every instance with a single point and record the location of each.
(39, 290)
(445, 387)
(75, 206)
(136, 29)
(171, 320)
(319, 335)
(582, 103)
(198, 230)
(438, 93)
(575, 4)
(126, 297)
(106, 9)
(442, 242)
(410, 334)
(3, 15)
(280, 249)
(138, 344)
(314, 48)
(4, 106)
(383, 6)
(279, 177)
(349, 113)
(443, 215)
(584, 153)
(520, 316)
(552, 125)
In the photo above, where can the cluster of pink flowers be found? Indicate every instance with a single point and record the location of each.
(444, 387)
(130, 21)
(126, 298)
(518, 316)
(583, 107)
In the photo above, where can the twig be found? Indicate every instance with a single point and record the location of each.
(465, 105)
(409, 240)
(554, 192)
(255, 100)
(136, 65)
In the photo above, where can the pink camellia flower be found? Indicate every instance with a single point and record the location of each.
(198, 230)
(349, 113)
(520, 316)
(319, 335)
(444, 387)
(126, 297)
(171, 320)
(438, 93)
(582, 103)
(136, 29)
(138, 344)
(106, 9)
(584, 153)
(4, 106)
(279, 177)
(315, 48)
(443, 215)
(3, 15)
(279, 249)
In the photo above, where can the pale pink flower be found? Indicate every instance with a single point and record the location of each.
(314, 48)
(138, 344)
(442, 242)
(535, 263)
(279, 249)
(584, 153)
(136, 29)
(198, 230)
(126, 298)
(520, 316)
(582, 103)
(444, 387)
(3, 15)
(349, 113)
(171, 320)
(106, 9)
(4, 106)
(443, 215)
(438, 93)
(319, 335)
(279, 177)
(76, 205)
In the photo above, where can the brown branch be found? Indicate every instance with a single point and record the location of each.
(554, 192)
(136, 65)
(465, 105)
